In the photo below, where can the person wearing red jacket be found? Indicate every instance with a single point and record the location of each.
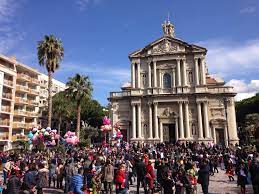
(120, 180)
(150, 175)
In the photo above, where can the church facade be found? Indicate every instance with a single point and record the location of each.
(172, 97)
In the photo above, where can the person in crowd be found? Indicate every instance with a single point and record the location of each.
(169, 183)
(141, 171)
(42, 177)
(230, 171)
(254, 170)
(30, 178)
(52, 173)
(69, 171)
(76, 185)
(120, 180)
(60, 174)
(108, 176)
(7, 166)
(150, 176)
(203, 176)
(242, 173)
(14, 183)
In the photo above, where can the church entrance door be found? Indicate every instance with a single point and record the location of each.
(220, 139)
(169, 133)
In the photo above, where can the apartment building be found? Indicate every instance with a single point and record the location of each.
(23, 91)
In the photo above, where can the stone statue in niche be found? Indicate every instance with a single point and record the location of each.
(194, 129)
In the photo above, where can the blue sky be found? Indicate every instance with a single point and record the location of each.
(98, 35)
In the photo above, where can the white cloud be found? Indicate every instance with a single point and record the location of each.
(248, 10)
(83, 4)
(228, 59)
(9, 37)
(244, 90)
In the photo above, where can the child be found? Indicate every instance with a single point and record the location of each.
(230, 171)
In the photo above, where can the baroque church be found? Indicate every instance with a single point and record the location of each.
(172, 97)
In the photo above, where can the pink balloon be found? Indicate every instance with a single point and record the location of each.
(57, 136)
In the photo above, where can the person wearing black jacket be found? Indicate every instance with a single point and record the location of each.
(141, 174)
(254, 170)
(14, 184)
(203, 178)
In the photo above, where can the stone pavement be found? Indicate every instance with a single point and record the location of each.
(219, 184)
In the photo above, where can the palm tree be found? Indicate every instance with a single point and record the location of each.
(50, 54)
(79, 87)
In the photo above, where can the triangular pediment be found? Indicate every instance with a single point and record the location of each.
(166, 45)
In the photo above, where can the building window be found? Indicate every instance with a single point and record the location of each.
(190, 76)
(144, 80)
(167, 81)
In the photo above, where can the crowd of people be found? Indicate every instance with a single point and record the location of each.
(159, 168)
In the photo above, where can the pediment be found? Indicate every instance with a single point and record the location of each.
(166, 45)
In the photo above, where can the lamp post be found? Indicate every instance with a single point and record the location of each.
(225, 103)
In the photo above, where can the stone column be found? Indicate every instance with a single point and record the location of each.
(149, 76)
(203, 76)
(178, 69)
(159, 79)
(139, 122)
(155, 120)
(184, 72)
(206, 120)
(133, 124)
(161, 131)
(176, 129)
(231, 116)
(133, 72)
(174, 84)
(200, 127)
(150, 121)
(181, 120)
(154, 75)
(138, 75)
(197, 79)
(186, 115)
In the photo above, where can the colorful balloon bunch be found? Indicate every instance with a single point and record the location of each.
(117, 133)
(46, 136)
(106, 125)
(71, 138)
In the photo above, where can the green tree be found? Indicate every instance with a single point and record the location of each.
(50, 54)
(79, 88)
(61, 107)
(87, 133)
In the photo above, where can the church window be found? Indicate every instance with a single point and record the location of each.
(190, 76)
(144, 80)
(167, 81)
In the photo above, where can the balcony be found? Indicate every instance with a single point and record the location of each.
(24, 77)
(33, 103)
(6, 109)
(33, 92)
(34, 81)
(224, 89)
(4, 136)
(18, 137)
(19, 125)
(30, 125)
(19, 112)
(8, 83)
(22, 88)
(7, 95)
(19, 100)
(31, 114)
(5, 122)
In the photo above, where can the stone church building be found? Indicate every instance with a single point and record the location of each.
(172, 97)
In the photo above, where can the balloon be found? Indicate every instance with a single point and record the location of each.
(57, 136)
(30, 142)
(30, 135)
(48, 129)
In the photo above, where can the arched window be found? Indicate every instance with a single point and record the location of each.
(167, 81)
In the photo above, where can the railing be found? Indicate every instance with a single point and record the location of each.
(30, 125)
(4, 122)
(4, 136)
(32, 91)
(21, 100)
(19, 112)
(33, 102)
(19, 125)
(23, 76)
(34, 80)
(22, 88)
(18, 137)
(8, 82)
(6, 109)
(120, 94)
(224, 89)
(7, 95)
(31, 114)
